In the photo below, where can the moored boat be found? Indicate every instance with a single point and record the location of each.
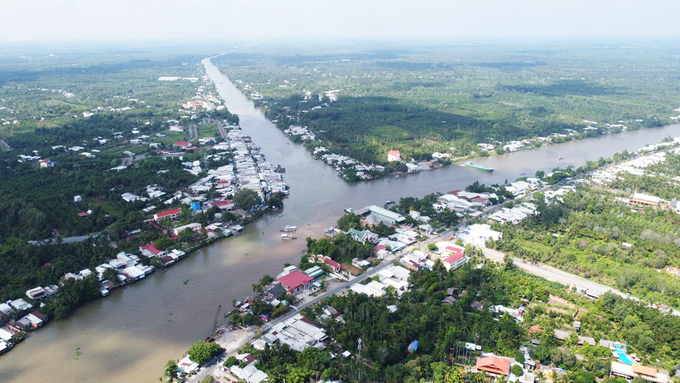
(478, 167)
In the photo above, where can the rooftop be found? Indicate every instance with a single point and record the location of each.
(295, 279)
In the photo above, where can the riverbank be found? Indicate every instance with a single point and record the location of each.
(587, 287)
(183, 233)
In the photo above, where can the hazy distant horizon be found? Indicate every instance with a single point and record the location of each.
(50, 21)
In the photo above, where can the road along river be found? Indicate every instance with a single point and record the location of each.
(129, 336)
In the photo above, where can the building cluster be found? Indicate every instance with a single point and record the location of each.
(635, 166)
(514, 214)
(250, 169)
(299, 131)
(391, 276)
(341, 163)
(201, 100)
(464, 202)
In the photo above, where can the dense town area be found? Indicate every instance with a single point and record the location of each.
(206, 180)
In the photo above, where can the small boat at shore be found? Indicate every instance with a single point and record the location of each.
(289, 228)
(287, 237)
(478, 167)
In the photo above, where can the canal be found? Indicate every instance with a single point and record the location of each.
(129, 336)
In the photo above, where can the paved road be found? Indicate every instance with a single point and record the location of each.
(53, 241)
(193, 133)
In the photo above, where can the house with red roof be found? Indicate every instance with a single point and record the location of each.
(494, 365)
(393, 155)
(171, 214)
(456, 257)
(482, 200)
(223, 205)
(182, 144)
(150, 250)
(332, 264)
(295, 282)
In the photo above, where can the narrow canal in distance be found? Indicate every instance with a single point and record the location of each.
(129, 336)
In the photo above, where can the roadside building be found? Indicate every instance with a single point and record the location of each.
(387, 216)
(295, 282)
(643, 199)
(170, 214)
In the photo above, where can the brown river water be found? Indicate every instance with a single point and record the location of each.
(130, 335)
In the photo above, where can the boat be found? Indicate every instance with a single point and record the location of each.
(560, 158)
(280, 169)
(289, 228)
(478, 167)
(388, 202)
(287, 237)
(396, 177)
(226, 232)
(349, 210)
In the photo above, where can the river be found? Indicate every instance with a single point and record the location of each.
(129, 336)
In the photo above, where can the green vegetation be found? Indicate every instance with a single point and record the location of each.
(595, 236)
(341, 248)
(171, 369)
(201, 352)
(362, 102)
(442, 329)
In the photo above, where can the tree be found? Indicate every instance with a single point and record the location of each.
(517, 370)
(275, 200)
(163, 243)
(349, 221)
(540, 173)
(186, 234)
(231, 360)
(509, 261)
(111, 275)
(208, 379)
(171, 369)
(432, 247)
(201, 352)
(246, 199)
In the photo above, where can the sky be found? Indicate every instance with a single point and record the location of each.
(238, 20)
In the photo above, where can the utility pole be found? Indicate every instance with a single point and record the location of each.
(359, 360)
